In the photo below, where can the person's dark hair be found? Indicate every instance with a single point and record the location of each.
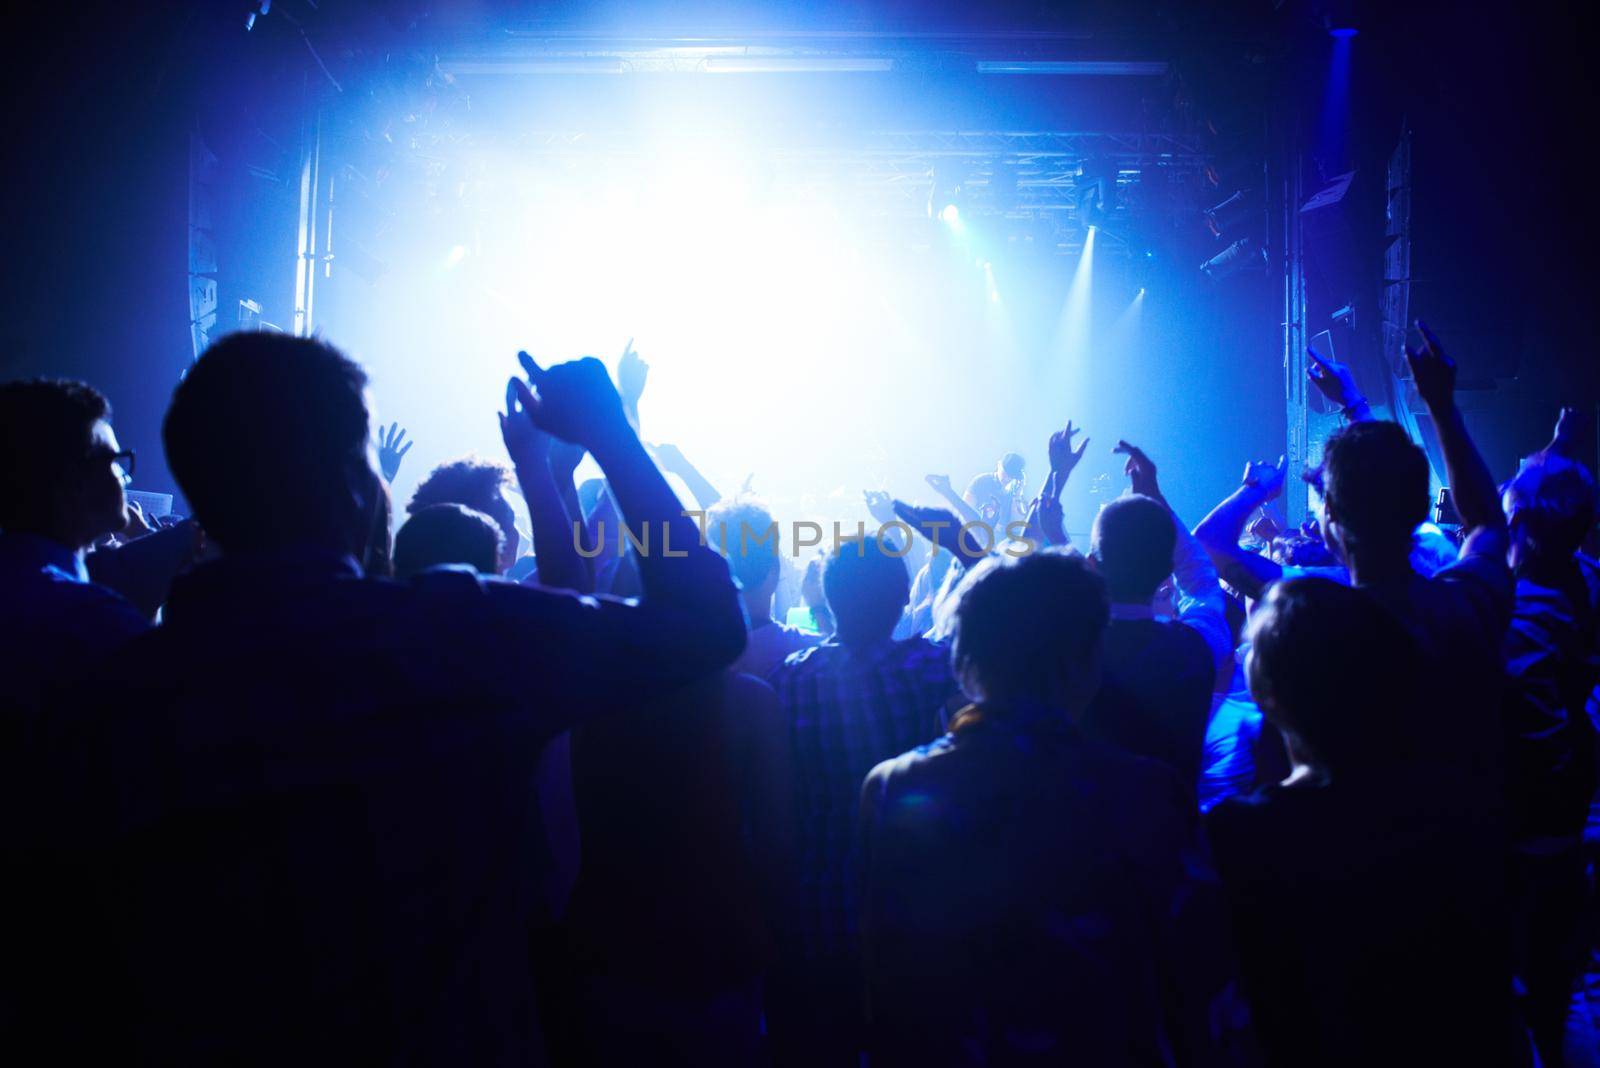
(1310, 638)
(1013, 464)
(470, 481)
(44, 432)
(1021, 621)
(866, 589)
(1375, 486)
(446, 534)
(1133, 541)
(743, 530)
(267, 436)
(1552, 505)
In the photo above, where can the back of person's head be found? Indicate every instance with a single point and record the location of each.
(1550, 507)
(1374, 489)
(866, 589)
(478, 484)
(1029, 628)
(1013, 466)
(471, 481)
(446, 534)
(268, 437)
(1335, 671)
(1132, 541)
(53, 482)
(743, 530)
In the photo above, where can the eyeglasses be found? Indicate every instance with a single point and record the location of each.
(123, 461)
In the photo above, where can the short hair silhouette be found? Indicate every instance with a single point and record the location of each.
(866, 588)
(471, 481)
(1133, 540)
(1335, 670)
(44, 432)
(447, 534)
(743, 530)
(1022, 621)
(267, 435)
(1375, 486)
(1551, 502)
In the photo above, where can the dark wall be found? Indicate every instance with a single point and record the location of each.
(96, 187)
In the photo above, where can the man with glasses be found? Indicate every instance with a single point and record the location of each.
(62, 480)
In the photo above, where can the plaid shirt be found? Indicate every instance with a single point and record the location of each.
(848, 709)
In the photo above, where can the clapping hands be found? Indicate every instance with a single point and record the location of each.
(574, 401)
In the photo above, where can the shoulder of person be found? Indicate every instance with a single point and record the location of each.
(811, 656)
(889, 774)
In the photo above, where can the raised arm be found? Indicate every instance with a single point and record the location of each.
(1473, 488)
(559, 564)
(1219, 532)
(1338, 383)
(1199, 604)
(689, 620)
(673, 461)
(1064, 459)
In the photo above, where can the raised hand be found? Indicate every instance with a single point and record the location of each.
(1336, 382)
(941, 485)
(1570, 427)
(392, 448)
(1266, 477)
(632, 372)
(1140, 469)
(1063, 457)
(525, 443)
(576, 402)
(879, 505)
(1432, 370)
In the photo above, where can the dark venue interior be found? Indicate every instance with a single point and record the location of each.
(710, 533)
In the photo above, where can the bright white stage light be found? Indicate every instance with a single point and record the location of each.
(950, 214)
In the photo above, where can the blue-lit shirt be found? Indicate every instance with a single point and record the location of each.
(1035, 896)
(53, 620)
(847, 709)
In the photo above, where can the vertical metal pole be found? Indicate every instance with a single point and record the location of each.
(1297, 496)
(305, 273)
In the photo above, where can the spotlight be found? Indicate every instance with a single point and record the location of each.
(1235, 210)
(1093, 191)
(947, 192)
(1239, 256)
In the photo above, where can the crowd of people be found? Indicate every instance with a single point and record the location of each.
(287, 784)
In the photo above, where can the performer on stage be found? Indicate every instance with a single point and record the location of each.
(997, 495)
